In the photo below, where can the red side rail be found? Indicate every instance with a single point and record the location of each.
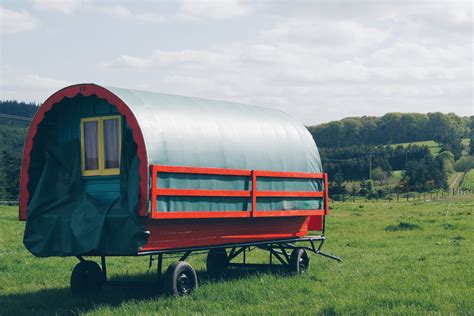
(252, 193)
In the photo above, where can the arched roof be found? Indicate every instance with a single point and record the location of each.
(187, 131)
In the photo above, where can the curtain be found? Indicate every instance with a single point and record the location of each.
(91, 145)
(111, 143)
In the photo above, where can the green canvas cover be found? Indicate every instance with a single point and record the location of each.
(196, 132)
(66, 218)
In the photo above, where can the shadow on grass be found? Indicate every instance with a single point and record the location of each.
(139, 287)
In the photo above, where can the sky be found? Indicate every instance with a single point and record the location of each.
(316, 60)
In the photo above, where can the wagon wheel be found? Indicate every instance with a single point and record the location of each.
(180, 279)
(217, 261)
(299, 261)
(86, 278)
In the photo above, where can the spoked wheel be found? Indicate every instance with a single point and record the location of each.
(299, 261)
(86, 278)
(217, 262)
(180, 279)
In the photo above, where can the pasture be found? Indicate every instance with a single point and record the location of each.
(398, 258)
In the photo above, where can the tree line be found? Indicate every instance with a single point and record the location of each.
(392, 128)
(12, 137)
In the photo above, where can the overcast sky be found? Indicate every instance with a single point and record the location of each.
(317, 60)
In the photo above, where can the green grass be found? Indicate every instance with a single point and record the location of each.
(423, 264)
(432, 145)
(468, 181)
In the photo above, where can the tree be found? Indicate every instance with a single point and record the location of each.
(448, 160)
(9, 174)
(337, 188)
(379, 175)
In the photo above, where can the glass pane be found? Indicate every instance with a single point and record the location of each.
(111, 143)
(91, 146)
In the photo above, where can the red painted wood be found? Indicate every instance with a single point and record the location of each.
(326, 194)
(289, 194)
(254, 192)
(122, 108)
(288, 213)
(200, 214)
(315, 222)
(197, 170)
(278, 174)
(184, 233)
(201, 192)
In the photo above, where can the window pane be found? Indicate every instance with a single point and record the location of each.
(111, 143)
(91, 146)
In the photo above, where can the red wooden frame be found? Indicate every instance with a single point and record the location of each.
(252, 193)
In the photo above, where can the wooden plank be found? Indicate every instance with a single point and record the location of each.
(308, 194)
(199, 170)
(201, 192)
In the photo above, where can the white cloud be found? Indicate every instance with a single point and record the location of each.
(212, 9)
(63, 6)
(31, 87)
(323, 33)
(12, 21)
(120, 11)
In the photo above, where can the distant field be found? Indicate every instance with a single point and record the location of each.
(468, 182)
(399, 258)
(454, 180)
(432, 145)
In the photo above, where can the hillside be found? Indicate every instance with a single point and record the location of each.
(395, 128)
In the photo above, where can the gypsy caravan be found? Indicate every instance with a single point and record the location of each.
(119, 172)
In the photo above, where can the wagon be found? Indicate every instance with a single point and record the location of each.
(118, 172)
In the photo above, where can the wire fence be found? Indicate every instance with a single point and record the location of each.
(403, 196)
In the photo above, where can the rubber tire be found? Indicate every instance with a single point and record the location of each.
(299, 261)
(172, 284)
(86, 278)
(217, 262)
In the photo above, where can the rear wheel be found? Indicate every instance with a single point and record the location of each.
(180, 279)
(299, 261)
(86, 278)
(217, 262)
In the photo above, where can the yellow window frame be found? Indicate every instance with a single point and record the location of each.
(101, 171)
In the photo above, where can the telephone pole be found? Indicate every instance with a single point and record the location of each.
(370, 166)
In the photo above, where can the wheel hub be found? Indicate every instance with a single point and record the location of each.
(184, 284)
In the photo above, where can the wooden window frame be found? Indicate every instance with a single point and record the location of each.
(101, 171)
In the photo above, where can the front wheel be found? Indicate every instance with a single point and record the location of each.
(299, 261)
(180, 279)
(86, 278)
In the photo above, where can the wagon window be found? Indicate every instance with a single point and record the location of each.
(100, 144)
(91, 145)
(111, 143)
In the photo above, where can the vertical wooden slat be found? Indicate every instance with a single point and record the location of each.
(254, 192)
(326, 195)
(153, 191)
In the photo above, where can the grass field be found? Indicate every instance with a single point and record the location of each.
(454, 180)
(468, 182)
(399, 258)
(432, 145)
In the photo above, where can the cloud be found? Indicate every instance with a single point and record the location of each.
(324, 33)
(120, 11)
(12, 21)
(63, 6)
(211, 9)
(32, 87)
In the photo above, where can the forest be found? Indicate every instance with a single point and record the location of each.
(352, 149)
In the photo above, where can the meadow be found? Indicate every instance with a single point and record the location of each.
(398, 258)
(468, 181)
